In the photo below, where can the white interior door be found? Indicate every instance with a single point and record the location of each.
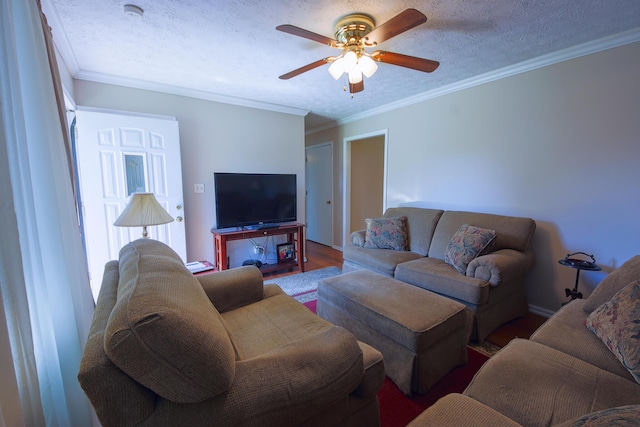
(319, 182)
(120, 154)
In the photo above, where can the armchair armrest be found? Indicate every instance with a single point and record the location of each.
(501, 266)
(357, 237)
(229, 289)
(297, 379)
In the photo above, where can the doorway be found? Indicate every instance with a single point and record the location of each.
(365, 174)
(119, 154)
(319, 192)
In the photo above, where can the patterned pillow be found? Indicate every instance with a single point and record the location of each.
(387, 233)
(620, 416)
(617, 324)
(468, 243)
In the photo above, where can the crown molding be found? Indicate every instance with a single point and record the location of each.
(588, 48)
(192, 93)
(60, 40)
(61, 43)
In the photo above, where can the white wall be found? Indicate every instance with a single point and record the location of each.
(560, 144)
(213, 137)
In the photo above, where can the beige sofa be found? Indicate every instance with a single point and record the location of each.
(564, 375)
(167, 348)
(492, 285)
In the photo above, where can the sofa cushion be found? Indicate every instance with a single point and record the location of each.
(383, 261)
(163, 331)
(271, 323)
(437, 276)
(566, 331)
(536, 385)
(617, 324)
(421, 224)
(386, 233)
(456, 410)
(511, 232)
(610, 285)
(466, 244)
(620, 416)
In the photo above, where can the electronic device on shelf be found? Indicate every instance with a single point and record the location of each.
(255, 262)
(252, 200)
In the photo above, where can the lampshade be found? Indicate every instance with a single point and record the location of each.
(350, 61)
(367, 65)
(336, 68)
(143, 210)
(355, 76)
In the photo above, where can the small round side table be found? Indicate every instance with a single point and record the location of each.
(579, 265)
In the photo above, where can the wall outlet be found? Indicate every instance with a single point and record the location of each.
(198, 188)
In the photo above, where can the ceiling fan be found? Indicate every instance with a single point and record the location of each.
(354, 33)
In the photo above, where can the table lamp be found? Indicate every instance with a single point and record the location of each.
(143, 210)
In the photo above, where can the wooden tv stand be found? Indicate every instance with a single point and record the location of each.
(293, 230)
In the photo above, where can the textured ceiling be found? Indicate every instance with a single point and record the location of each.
(221, 49)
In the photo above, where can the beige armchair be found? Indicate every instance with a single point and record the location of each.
(169, 348)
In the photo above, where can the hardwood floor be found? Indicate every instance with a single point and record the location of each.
(318, 257)
(321, 256)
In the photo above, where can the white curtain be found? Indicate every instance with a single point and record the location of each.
(44, 289)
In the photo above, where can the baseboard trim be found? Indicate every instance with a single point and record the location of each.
(540, 311)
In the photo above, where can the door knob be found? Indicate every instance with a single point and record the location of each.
(179, 218)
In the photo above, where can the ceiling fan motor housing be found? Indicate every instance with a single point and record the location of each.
(351, 29)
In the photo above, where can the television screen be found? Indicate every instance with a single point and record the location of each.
(251, 199)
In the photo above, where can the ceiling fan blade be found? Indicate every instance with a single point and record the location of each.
(407, 61)
(398, 24)
(300, 32)
(304, 69)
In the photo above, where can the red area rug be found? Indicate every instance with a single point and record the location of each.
(308, 299)
(396, 409)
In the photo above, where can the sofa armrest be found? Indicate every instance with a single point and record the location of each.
(298, 378)
(501, 266)
(357, 238)
(229, 289)
(458, 410)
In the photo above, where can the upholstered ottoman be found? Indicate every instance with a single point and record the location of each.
(421, 335)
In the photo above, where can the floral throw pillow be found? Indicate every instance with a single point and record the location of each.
(387, 233)
(620, 416)
(468, 243)
(617, 324)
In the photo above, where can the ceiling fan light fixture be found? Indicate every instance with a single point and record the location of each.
(367, 65)
(353, 34)
(350, 61)
(335, 69)
(355, 76)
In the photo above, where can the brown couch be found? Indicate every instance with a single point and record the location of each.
(167, 348)
(564, 375)
(491, 287)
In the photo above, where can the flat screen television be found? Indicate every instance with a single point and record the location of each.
(254, 199)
